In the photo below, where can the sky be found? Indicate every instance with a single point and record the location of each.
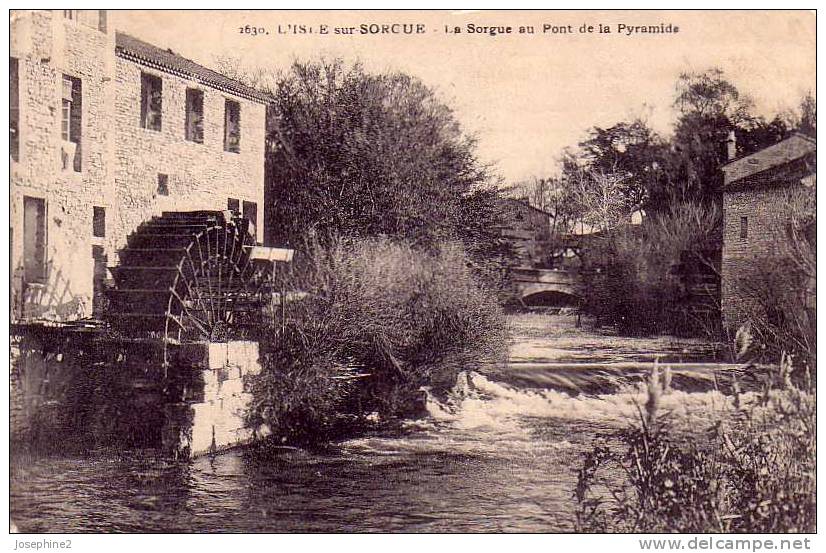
(524, 96)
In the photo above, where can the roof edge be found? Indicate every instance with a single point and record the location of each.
(792, 135)
(738, 185)
(242, 90)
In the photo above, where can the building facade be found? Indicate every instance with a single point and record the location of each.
(108, 131)
(754, 230)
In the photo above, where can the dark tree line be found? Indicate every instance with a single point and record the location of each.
(685, 167)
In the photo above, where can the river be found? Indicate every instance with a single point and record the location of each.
(499, 455)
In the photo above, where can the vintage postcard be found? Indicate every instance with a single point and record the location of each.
(413, 272)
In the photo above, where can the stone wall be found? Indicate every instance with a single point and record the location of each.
(762, 205)
(47, 47)
(82, 390)
(213, 398)
(200, 176)
(120, 161)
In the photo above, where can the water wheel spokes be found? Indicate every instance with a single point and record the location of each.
(184, 277)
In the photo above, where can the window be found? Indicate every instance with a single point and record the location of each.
(250, 212)
(14, 110)
(744, 227)
(194, 115)
(95, 19)
(71, 122)
(34, 240)
(151, 101)
(232, 126)
(163, 184)
(234, 205)
(98, 222)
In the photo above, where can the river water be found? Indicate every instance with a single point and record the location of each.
(499, 455)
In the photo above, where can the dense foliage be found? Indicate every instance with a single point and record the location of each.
(380, 321)
(396, 225)
(638, 277)
(360, 154)
(778, 293)
(634, 273)
(663, 171)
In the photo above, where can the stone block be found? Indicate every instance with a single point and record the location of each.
(221, 402)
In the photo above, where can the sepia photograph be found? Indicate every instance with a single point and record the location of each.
(413, 271)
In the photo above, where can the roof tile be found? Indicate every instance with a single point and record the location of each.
(790, 149)
(133, 48)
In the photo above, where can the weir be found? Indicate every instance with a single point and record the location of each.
(599, 377)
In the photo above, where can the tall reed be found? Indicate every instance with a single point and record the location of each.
(750, 470)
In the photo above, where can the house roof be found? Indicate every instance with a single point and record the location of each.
(129, 47)
(523, 203)
(786, 151)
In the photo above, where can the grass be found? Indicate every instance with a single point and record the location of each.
(752, 469)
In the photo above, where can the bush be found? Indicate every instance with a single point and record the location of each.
(638, 277)
(380, 320)
(752, 470)
(774, 303)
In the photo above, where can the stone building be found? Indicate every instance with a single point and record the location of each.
(754, 229)
(107, 131)
(124, 158)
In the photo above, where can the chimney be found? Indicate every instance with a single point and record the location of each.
(731, 146)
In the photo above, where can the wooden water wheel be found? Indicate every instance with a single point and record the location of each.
(187, 277)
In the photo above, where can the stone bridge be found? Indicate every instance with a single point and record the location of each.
(548, 287)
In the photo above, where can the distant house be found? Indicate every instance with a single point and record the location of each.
(544, 243)
(753, 232)
(525, 228)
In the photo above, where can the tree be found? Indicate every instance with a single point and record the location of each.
(678, 181)
(804, 118)
(358, 154)
(808, 115)
(659, 172)
(709, 95)
(601, 198)
(489, 254)
(632, 150)
(710, 107)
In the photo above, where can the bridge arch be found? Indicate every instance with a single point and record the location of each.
(551, 298)
(547, 287)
